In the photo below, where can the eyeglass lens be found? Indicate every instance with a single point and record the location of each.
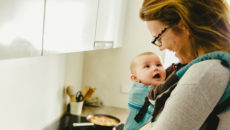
(156, 41)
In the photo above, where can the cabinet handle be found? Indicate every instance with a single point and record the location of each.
(103, 44)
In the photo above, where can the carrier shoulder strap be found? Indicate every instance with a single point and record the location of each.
(140, 115)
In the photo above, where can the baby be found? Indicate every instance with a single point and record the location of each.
(147, 72)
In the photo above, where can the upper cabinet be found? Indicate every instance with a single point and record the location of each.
(44, 27)
(81, 25)
(110, 24)
(21, 26)
(69, 25)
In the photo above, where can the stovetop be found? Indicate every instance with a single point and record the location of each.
(66, 123)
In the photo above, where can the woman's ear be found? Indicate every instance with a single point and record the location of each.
(182, 25)
(133, 77)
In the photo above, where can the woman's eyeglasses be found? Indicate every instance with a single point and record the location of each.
(156, 41)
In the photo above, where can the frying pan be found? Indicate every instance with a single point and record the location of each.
(98, 126)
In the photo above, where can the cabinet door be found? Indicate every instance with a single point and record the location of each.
(69, 25)
(110, 23)
(21, 24)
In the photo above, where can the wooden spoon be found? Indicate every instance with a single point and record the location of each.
(69, 93)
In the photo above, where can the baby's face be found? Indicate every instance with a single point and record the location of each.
(149, 70)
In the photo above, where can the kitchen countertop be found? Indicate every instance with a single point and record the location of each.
(118, 112)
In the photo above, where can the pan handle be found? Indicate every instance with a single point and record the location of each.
(82, 124)
(119, 126)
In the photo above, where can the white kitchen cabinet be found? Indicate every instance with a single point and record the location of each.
(44, 27)
(21, 24)
(69, 25)
(110, 21)
(81, 25)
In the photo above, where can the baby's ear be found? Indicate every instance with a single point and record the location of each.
(133, 77)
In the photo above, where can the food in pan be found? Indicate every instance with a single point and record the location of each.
(103, 121)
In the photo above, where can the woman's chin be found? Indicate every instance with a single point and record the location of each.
(181, 60)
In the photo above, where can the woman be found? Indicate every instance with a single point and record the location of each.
(198, 31)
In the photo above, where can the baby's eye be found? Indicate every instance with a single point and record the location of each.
(159, 65)
(147, 66)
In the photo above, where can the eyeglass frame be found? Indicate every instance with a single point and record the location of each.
(157, 37)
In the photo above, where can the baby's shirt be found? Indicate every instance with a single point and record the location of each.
(137, 96)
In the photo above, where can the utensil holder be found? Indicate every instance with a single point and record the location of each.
(76, 108)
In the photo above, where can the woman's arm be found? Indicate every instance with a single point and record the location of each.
(195, 96)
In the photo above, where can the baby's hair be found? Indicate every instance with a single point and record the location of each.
(133, 62)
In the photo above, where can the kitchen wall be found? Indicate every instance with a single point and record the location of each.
(32, 89)
(108, 70)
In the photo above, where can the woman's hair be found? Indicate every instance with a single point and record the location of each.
(207, 21)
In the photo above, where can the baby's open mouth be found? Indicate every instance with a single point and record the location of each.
(156, 76)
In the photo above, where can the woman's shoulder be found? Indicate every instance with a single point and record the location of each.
(209, 73)
(209, 69)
